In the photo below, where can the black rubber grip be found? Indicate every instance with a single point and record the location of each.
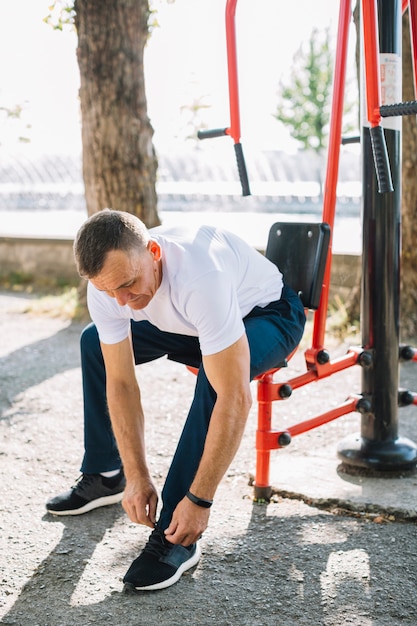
(241, 166)
(211, 134)
(348, 140)
(401, 108)
(382, 167)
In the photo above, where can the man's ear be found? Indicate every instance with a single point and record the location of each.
(155, 249)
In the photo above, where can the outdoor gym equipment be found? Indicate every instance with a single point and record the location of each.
(377, 448)
(234, 129)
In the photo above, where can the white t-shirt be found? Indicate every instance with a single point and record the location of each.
(211, 279)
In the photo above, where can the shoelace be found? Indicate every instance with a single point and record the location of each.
(83, 481)
(157, 544)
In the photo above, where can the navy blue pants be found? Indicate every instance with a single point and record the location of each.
(273, 332)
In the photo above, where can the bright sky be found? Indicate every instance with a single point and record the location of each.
(185, 60)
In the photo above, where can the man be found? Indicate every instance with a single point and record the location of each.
(204, 298)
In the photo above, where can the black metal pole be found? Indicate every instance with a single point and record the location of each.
(378, 446)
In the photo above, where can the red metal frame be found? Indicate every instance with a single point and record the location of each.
(317, 367)
(234, 129)
(267, 438)
(372, 71)
(269, 391)
(332, 171)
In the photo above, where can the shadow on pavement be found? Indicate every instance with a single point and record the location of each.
(290, 566)
(37, 361)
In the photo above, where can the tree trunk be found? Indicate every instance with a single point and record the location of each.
(409, 197)
(119, 162)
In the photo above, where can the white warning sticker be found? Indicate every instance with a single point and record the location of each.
(391, 86)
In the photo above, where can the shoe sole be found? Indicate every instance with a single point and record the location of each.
(192, 561)
(94, 504)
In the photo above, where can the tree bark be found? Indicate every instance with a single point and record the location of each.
(119, 161)
(408, 301)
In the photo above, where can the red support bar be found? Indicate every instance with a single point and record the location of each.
(335, 138)
(269, 439)
(269, 391)
(234, 130)
(372, 65)
(262, 468)
(337, 365)
(347, 407)
(299, 381)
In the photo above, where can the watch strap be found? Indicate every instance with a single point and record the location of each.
(206, 504)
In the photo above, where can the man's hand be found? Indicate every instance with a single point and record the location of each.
(188, 523)
(140, 501)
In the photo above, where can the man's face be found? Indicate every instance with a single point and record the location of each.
(131, 277)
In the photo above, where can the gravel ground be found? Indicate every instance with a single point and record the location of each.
(285, 563)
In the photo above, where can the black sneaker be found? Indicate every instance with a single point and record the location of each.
(89, 492)
(160, 564)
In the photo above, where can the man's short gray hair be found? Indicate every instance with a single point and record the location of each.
(105, 231)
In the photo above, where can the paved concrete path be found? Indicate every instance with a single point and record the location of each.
(328, 550)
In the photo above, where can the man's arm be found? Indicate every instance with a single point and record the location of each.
(229, 373)
(126, 414)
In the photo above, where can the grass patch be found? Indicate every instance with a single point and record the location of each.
(340, 324)
(17, 282)
(67, 303)
(21, 282)
(339, 329)
(64, 304)
(53, 298)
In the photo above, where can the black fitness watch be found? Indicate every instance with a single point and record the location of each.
(206, 504)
